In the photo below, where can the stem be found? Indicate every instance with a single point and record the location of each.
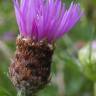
(6, 51)
(20, 93)
(94, 88)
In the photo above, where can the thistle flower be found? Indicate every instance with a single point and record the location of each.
(41, 22)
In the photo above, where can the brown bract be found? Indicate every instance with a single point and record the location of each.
(30, 69)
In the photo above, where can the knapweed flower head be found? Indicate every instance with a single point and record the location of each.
(41, 22)
(45, 19)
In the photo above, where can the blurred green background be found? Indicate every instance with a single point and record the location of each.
(67, 77)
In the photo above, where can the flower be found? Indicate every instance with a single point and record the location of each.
(45, 19)
(87, 58)
(40, 22)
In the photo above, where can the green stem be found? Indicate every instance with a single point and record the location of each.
(94, 88)
(20, 93)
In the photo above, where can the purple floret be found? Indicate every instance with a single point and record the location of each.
(45, 19)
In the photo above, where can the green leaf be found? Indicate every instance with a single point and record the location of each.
(4, 92)
(6, 85)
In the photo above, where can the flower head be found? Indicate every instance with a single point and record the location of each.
(40, 23)
(45, 19)
(87, 58)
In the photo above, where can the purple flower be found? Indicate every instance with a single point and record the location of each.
(45, 19)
